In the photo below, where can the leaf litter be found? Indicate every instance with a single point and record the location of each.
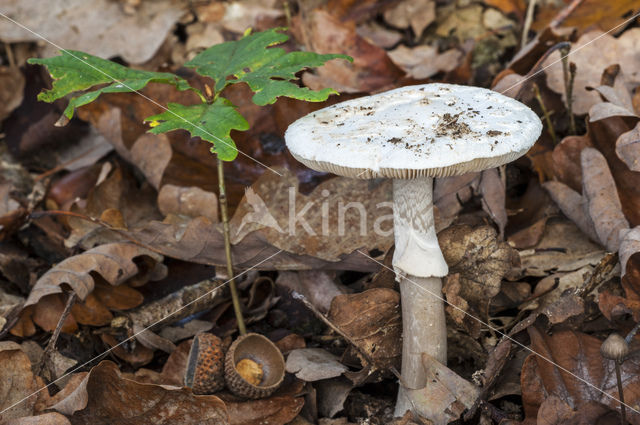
(533, 248)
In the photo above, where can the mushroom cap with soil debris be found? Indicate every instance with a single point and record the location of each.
(426, 130)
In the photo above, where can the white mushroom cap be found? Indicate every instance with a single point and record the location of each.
(426, 130)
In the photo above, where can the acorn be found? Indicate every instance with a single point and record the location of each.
(615, 347)
(205, 364)
(254, 367)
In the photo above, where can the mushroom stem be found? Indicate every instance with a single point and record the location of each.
(419, 265)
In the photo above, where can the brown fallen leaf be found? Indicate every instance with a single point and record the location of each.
(612, 305)
(417, 14)
(113, 262)
(628, 148)
(11, 90)
(580, 354)
(481, 260)
(563, 248)
(587, 14)
(18, 384)
(107, 30)
(106, 397)
(189, 201)
(314, 364)
(372, 69)
(318, 286)
(51, 418)
(424, 61)
(276, 410)
(371, 319)
(603, 204)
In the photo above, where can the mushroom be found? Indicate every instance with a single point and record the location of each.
(411, 135)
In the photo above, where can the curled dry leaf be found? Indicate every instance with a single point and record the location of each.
(106, 397)
(603, 204)
(628, 148)
(107, 30)
(481, 260)
(372, 321)
(115, 263)
(580, 354)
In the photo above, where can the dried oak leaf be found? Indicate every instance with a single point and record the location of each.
(587, 14)
(314, 364)
(372, 70)
(612, 305)
(114, 262)
(579, 354)
(603, 204)
(105, 397)
(481, 260)
(424, 61)
(600, 51)
(628, 148)
(417, 14)
(18, 384)
(276, 410)
(107, 30)
(372, 321)
(602, 135)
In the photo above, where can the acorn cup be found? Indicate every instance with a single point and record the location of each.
(205, 364)
(254, 367)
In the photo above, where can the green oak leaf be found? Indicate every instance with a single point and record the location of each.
(269, 71)
(211, 122)
(75, 71)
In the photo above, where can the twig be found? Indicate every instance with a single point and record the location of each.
(569, 73)
(527, 23)
(56, 333)
(564, 13)
(547, 115)
(227, 249)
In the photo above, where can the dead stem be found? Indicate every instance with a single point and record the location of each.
(227, 249)
(546, 113)
(56, 333)
(569, 72)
